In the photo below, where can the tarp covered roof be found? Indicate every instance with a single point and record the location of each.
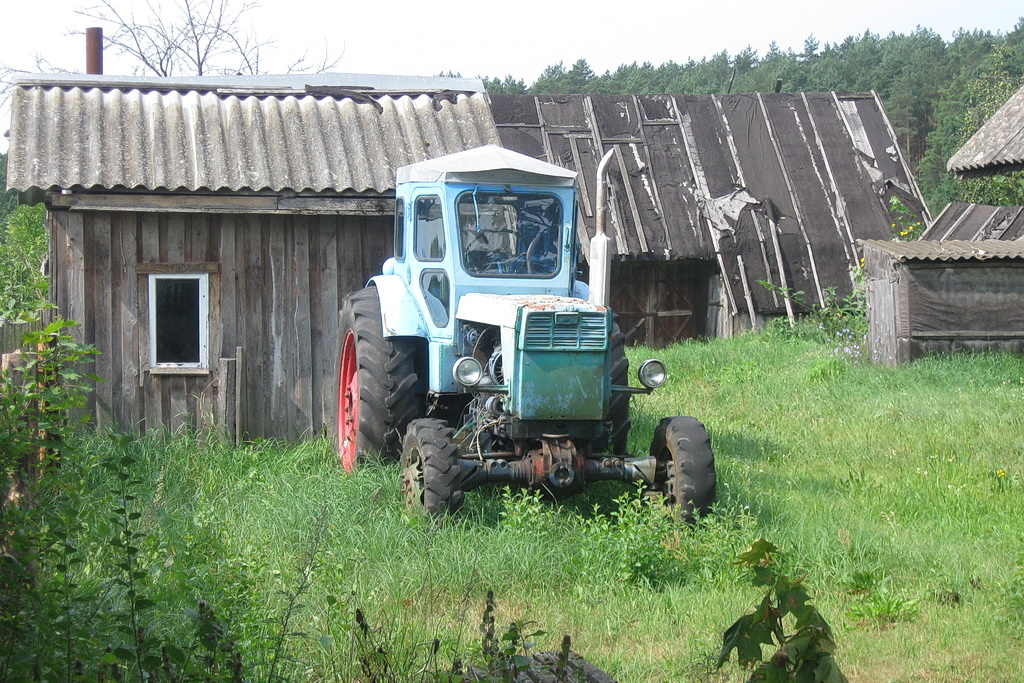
(775, 187)
(998, 146)
(307, 133)
(960, 221)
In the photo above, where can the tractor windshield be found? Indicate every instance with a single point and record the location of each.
(510, 234)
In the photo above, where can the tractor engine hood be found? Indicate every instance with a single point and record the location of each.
(554, 353)
(503, 309)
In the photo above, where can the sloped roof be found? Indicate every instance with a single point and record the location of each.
(960, 221)
(477, 165)
(998, 146)
(277, 134)
(949, 250)
(750, 180)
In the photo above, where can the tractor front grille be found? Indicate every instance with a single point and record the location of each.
(565, 330)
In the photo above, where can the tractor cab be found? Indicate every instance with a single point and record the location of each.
(486, 221)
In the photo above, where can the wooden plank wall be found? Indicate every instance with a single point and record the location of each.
(659, 303)
(279, 284)
(882, 303)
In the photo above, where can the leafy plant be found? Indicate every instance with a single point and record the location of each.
(37, 401)
(878, 603)
(23, 248)
(841, 322)
(803, 654)
(505, 656)
(906, 225)
(635, 539)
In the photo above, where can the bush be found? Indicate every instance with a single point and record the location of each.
(23, 249)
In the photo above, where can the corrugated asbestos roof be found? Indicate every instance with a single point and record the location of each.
(107, 133)
(775, 187)
(376, 83)
(959, 221)
(998, 146)
(951, 250)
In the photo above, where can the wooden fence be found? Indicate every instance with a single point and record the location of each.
(12, 331)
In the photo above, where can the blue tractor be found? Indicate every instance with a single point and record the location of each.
(478, 357)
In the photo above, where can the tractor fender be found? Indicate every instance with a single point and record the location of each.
(400, 316)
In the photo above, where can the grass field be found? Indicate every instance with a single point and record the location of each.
(896, 491)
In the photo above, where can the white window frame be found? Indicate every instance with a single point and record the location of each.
(204, 319)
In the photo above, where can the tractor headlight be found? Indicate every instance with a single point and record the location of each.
(652, 373)
(468, 371)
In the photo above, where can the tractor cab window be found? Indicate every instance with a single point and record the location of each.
(400, 229)
(429, 235)
(509, 234)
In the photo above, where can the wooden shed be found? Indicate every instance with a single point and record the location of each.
(929, 297)
(204, 231)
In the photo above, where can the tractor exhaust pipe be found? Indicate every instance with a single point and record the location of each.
(601, 245)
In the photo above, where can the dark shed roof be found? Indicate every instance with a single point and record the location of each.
(998, 146)
(960, 221)
(952, 250)
(752, 180)
(327, 133)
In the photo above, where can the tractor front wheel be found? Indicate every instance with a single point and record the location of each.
(618, 407)
(376, 385)
(683, 450)
(431, 479)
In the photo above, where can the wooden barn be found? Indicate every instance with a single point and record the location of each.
(713, 194)
(928, 297)
(204, 231)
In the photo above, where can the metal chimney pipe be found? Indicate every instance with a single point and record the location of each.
(94, 50)
(601, 245)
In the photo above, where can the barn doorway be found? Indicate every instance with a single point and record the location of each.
(659, 303)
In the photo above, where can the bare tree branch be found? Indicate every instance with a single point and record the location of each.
(189, 37)
(177, 38)
(324, 63)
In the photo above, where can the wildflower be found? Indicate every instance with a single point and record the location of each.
(1000, 473)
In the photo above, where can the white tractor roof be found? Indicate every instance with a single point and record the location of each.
(487, 164)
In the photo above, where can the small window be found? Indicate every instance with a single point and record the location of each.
(179, 320)
(438, 295)
(430, 244)
(400, 229)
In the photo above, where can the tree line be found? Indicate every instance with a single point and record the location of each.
(936, 92)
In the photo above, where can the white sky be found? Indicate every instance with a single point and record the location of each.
(518, 38)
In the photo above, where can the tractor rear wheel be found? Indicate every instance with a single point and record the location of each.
(683, 449)
(376, 385)
(431, 478)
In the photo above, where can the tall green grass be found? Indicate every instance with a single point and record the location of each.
(897, 491)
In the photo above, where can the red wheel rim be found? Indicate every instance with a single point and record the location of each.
(348, 404)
